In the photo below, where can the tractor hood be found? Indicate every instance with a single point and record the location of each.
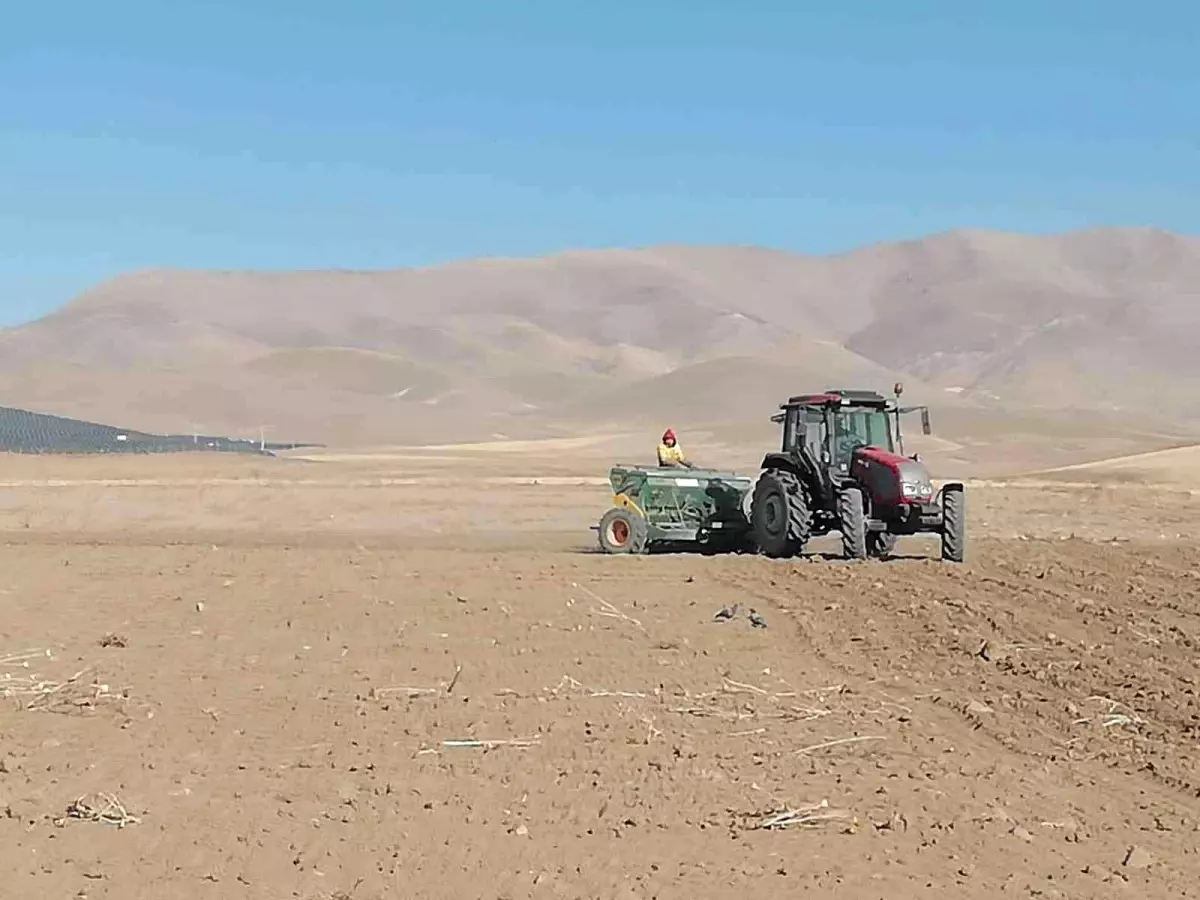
(904, 465)
(911, 477)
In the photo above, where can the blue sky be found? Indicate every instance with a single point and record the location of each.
(366, 134)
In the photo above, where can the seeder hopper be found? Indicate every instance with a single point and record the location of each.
(655, 507)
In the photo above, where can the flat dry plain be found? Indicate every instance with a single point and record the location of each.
(236, 678)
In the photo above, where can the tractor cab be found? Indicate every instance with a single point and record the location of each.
(825, 429)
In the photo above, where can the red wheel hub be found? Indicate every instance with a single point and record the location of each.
(620, 532)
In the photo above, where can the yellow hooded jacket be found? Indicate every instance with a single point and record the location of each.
(671, 456)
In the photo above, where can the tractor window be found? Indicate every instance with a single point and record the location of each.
(858, 428)
(814, 431)
(791, 434)
(804, 428)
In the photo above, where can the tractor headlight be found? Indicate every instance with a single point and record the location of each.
(917, 490)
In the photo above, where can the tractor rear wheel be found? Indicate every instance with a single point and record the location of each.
(780, 514)
(622, 531)
(880, 544)
(853, 522)
(954, 524)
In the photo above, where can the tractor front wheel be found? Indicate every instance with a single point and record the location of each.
(853, 522)
(780, 515)
(622, 531)
(954, 524)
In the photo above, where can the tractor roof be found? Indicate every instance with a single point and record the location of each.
(838, 397)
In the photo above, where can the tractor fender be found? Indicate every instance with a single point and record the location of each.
(783, 461)
(949, 485)
(789, 463)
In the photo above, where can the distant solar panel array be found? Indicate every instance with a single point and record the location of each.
(22, 431)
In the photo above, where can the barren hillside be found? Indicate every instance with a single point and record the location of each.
(1176, 466)
(1094, 321)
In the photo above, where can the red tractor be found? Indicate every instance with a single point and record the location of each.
(842, 468)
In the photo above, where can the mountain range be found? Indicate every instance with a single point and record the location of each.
(1101, 323)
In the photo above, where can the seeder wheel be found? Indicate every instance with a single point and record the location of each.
(622, 531)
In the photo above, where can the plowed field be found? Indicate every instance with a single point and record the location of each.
(253, 688)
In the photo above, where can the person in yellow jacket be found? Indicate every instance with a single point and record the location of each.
(670, 453)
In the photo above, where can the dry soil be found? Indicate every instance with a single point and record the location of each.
(236, 679)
